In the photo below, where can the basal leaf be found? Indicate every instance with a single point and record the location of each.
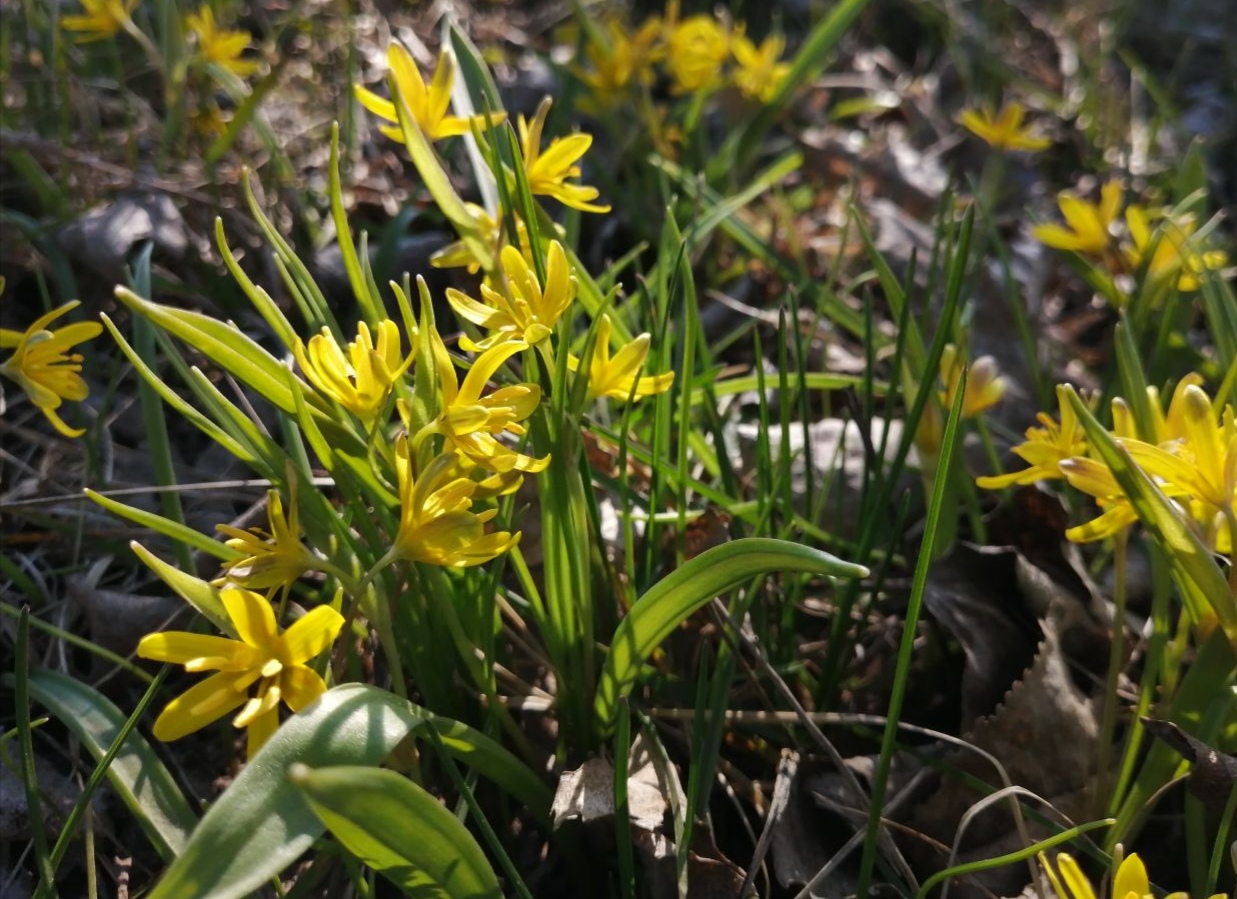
(264, 822)
(656, 614)
(136, 774)
(401, 831)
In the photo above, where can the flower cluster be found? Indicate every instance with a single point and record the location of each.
(1189, 450)
(1162, 246)
(450, 444)
(698, 53)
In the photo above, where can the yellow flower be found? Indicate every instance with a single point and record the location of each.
(619, 377)
(1003, 130)
(273, 559)
(221, 46)
(696, 50)
(524, 312)
(1088, 223)
(41, 366)
(1045, 448)
(360, 381)
(984, 389)
(436, 522)
(625, 60)
(548, 172)
(1171, 250)
(760, 73)
(471, 423)
(428, 106)
(458, 254)
(1202, 465)
(275, 662)
(103, 19)
(1129, 882)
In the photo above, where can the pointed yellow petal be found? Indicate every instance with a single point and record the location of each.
(309, 635)
(252, 616)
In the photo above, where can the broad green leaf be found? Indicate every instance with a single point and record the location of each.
(136, 774)
(656, 614)
(263, 822)
(1192, 564)
(226, 346)
(195, 591)
(401, 831)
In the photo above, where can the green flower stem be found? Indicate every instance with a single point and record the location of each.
(1116, 654)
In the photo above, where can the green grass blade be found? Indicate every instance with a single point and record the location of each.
(399, 830)
(656, 614)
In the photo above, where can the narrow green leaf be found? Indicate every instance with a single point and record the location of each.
(142, 782)
(195, 591)
(656, 614)
(263, 822)
(179, 532)
(398, 829)
(226, 346)
(437, 182)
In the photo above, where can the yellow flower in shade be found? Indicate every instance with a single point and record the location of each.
(360, 380)
(42, 367)
(525, 311)
(273, 663)
(273, 559)
(472, 422)
(760, 72)
(984, 389)
(1170, 250)
(222, 46)
(1087, 225)
(1045, 448)
(1003, 130)
(548, 172)
(619, 376)
(102, 19)
(624, 60)
(458, 254)
(428, 106)
(1129, 882)
(696, 50)
(436, 522)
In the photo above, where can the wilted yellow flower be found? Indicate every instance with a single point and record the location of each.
(984, 389)
(471, 422)
(436, 522)
(273, 559)
(524, 311)
(1171, 250)
(625, 60)
(1003, 130)
(102, 19)
(548, 172)
(274, 661)
(1045, 448)
(760, 70)
(41, 366)
(696, 50)
(222, 46)
(1087, 224)
(619, 377)
(360, 381)
(428, 106)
